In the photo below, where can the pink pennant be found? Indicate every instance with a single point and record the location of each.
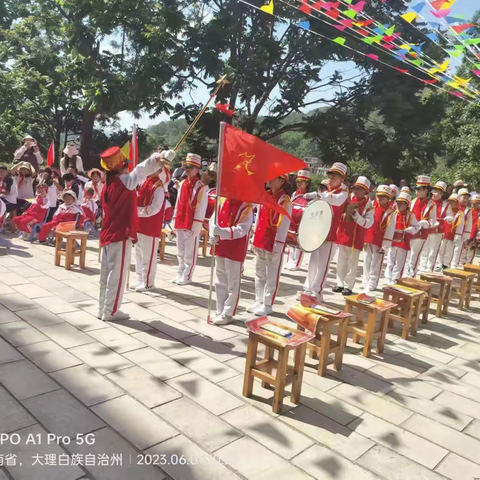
(318, 5)
(335, 5)
(401, 70)
(327, 5)
(437, 4)
(306, 9)
(358, 7)
(388, 38)
(389, 47)
(365, 33)
(441, 13)
(457, 94)
(476, 72)
(372, 56)
(347, 22)
(340, 27)
(333, 14)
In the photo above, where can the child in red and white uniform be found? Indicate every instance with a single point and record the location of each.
(68, 211)
(452, 244)
(151, 210)
(437, 232)
(188, 218)
(426, 214)
(406, 225)
(36, 213)
(351, 231)
(119, 230)
(378, 238)
(295, 255)
(468, 222)
(269, 237)
(471, 246)
(320, 259)
(89, 206)
(230, 236)
(96, 183)
(395, 192)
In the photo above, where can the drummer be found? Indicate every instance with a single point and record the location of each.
(337, 197)
(295, 254)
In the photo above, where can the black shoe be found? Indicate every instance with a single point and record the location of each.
(346, 291)
(337, 289)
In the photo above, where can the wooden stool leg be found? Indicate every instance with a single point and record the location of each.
(441, 298)
(383, 329)
(463, 288)
(416, 314)
(268, 356)
(469, 292)
(68, 254)
(83, 251)
(369, 334)
(408, 319)
(448, 296)
(324, 350)
(299, 363)
(249, 364)
(280, 380)
(58, 246)
(341, 340)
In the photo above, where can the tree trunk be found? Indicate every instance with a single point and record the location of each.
(86, 138)
(58, 133)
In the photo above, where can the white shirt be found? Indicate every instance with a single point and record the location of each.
(78, 166)
(25, 190)
(90, 184)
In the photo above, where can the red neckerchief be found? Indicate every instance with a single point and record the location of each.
(185, 206)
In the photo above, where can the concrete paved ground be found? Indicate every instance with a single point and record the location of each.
(159, 396)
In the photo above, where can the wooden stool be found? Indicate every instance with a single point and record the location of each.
(468, 267)
(321, 326)
(285, 374)
(424, 287)
(204, 243)
(70, 251)
(370, 331)
(466, 284)
(163, 241)
(408, 307)
(443, 298)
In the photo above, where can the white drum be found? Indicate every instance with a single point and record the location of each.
(315, 225)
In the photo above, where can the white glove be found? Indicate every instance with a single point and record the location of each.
(411, 230)
(168, 155)
(424, 223)
(449, 219)
(216, 230)
(310, 196)
(355, 215)
(214, 240)
(196, 228)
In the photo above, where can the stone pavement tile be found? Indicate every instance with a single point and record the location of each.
(178, 301)
(199, 313)
(48, 283)
(27, 272)
(81, 285)
(400, 440)
(213, 349)
(62, 415)
(8, 353)
(457, 468)
(459, 404)
(261, 398)
(21, 333)
(448, 415)
(39, 317)
(215, 333)
(206, 366)
(41, 262)
(196, 464)
(11, 279)
(172, 312)
(101, 357)
(353, 361)
(359, 379)
(156, 363)
(24, 380)
(423, 350)
(32, 291)
(412, 357)
(388, 464)
(134, 421)
(237, 363)
(66, 335)
(12, 415)
(473, 429)
(5, 290)
(172, 328)
(49, 356)
(73, 295)
(322, 463)
(416, 386)
(312, 378)
(7, 316)
(116, 340)
(83, 320)
(472, 379)
(87, 385)
(253, 461)
(450, 384)
(139, 313)
(268, 431)
(143, 299)
(10, 262)
(206, 429)
(56, 305)
(26, 454)
(328, 405)
(409, 369)
(205, 393)
(16, 302)
(446, 437)
(130, 326)
(140, 384)
(466, 365)
(59, 273)
(161, 342)
(327, 432)
(445, 372)
(108, 442)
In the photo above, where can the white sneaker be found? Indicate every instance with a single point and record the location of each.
(100, 314)
(222, 319)
(183, 281)
(263, 310)
(136, 285)
(252, 308)
(176, 279)
(119, 315)
(143, 288)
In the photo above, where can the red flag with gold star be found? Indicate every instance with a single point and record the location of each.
(248, 163)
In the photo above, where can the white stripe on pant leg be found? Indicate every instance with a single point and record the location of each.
(233, 270)
(152, 264)
(191, 252)
(221, 283)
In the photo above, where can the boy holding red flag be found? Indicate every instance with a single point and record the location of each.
(452, 244)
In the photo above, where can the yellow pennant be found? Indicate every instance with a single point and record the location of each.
(448, 4)
(126, 149)
(409, 16)
(268, 8)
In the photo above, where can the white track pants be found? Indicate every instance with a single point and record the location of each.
(267, 275)
(227, 286)
(417, 246)
(395, 264)
(450, 252)
(187, 251)
(347, 264)
(113, 275)
(295, 257)
(372, 267)
(318, 268)
(435, 242)
(466, 254)
(146, 255)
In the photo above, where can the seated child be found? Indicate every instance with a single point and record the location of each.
(89, 206)
(69, 211)
(36, 213)
(96, 183)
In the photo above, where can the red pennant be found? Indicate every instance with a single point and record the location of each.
(317, 5)
(51, 155)
(461, 28)
(335, 5)
(430, 82)
(437, 4)
(389, 47)
(366, 23)
(306, 9)
(401, 70)
(365, 33)
(225, 109)
(347, 22)
(388, 38)
(333, 14)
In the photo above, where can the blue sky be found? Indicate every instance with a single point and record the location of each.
(465, 7)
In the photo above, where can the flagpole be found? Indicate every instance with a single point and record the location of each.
(221, 139)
